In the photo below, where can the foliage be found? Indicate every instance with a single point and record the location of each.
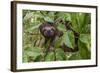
(33, 41)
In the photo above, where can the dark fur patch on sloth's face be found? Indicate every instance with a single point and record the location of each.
(48, 30)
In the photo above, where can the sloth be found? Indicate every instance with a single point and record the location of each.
(50, 32)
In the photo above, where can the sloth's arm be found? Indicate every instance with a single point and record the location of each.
(76, 37)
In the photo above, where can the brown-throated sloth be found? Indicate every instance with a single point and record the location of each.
(50, 32)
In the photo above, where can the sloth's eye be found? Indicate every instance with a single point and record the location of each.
(44, 30)
(52, 29)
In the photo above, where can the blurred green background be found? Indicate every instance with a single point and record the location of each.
(33, 40)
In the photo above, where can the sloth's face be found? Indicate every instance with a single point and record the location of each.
(49, 31)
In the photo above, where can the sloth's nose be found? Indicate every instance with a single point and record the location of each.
(49, 31)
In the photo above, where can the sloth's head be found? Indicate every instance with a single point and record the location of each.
(48, 30)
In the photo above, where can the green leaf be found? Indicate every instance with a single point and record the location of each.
(51, 15)
(74, 21)
(86, 39)
(28, 16)
(34, 53)
(38, 58)
(61, 27)
(25, 57)
(68, 39)
(83, 50)
(34, 27)
(85, 24)
(60, 55)
(50, 57)
(48, 19)
(58, 42)
(75, 56)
